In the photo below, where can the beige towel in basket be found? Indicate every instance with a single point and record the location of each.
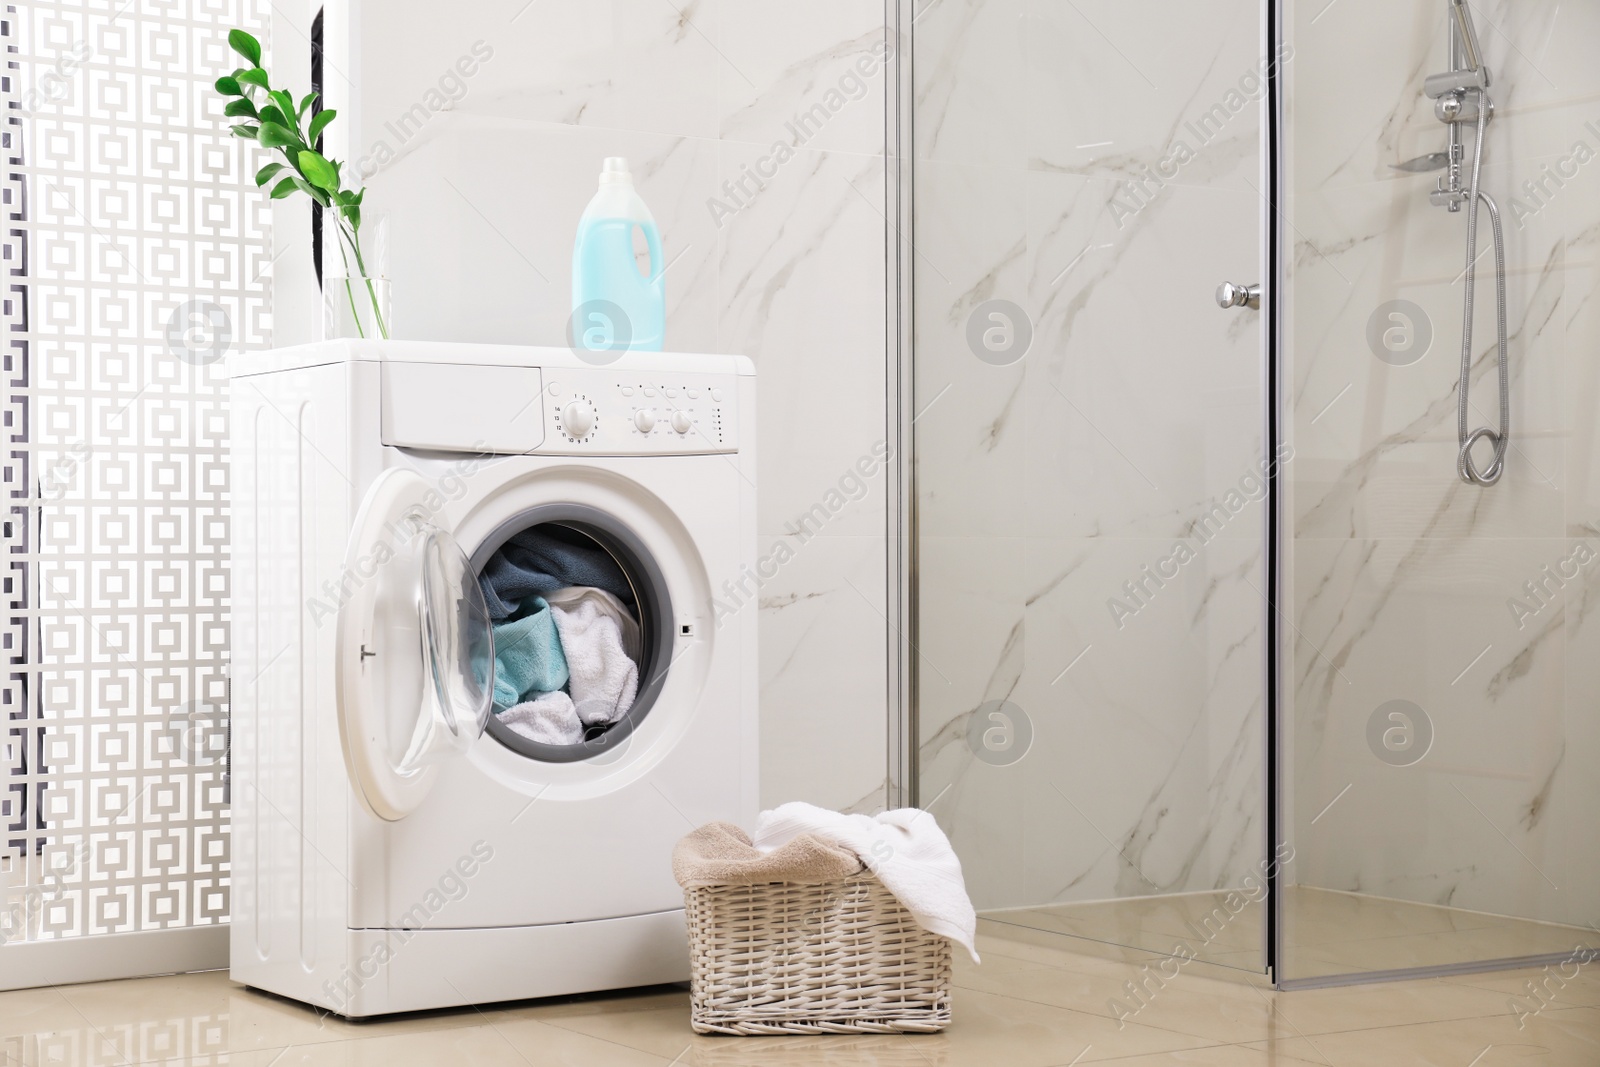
(720, 853)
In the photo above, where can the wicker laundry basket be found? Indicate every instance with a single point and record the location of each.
(837, 958)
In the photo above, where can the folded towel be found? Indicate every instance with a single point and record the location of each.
(604, 679)
(569, 598)
(549, 717)
(906, 850)
(720, 853)
(527, 655)
(542, 560)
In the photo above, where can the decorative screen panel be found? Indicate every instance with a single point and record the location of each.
(136, 255)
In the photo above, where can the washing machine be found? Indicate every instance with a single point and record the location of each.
(395, 846)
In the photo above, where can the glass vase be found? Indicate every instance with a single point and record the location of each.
(355, 278)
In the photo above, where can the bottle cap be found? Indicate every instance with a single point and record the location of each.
(615, 171)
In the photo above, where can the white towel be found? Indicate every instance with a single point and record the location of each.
(549, 717)
(596, 632)
(571, 596)
(906, 850)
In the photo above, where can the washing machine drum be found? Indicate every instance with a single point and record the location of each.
(639, 585)
(415, 662)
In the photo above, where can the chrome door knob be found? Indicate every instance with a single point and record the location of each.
(1230, 295)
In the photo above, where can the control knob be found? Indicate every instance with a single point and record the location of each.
(681, 422)
(577, 418)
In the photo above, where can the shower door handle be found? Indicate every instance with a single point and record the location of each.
(1230, 295)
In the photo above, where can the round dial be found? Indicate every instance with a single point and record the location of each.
(680, 421)
(578, 418)
(645, 420)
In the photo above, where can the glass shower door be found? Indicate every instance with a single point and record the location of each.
(1441, 741)
(1091, 466)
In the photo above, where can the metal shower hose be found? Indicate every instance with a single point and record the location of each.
(1464, 466)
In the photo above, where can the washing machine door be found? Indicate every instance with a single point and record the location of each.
(415, 655)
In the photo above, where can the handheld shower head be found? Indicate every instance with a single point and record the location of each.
(1467, 36)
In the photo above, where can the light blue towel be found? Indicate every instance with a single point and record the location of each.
(527, 655)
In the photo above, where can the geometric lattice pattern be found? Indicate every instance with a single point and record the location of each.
(136, 254)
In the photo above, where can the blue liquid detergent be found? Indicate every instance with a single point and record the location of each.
(615, 304)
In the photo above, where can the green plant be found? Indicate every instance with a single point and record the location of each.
(271, 118)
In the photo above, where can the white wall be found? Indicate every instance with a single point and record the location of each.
(484, 196)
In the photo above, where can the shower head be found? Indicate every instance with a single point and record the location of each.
(1431, 161)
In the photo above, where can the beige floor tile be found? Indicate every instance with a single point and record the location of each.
(1179, 1000)
(984, 1026)
(607, 1003)
(1553, 986)
(175, 1016)
(1216, 1056)
(1321, 1011)
(518, 1043)
(1566, 1038)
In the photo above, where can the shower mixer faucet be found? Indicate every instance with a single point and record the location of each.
(1458, 95)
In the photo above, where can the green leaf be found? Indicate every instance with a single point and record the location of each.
(254, 77)
(318, 123)
(229, 86)
(283, 188)
(305, 102)
(273, 115)
(316, 194)
(285, 104)
(239, 107)
(354, 215)
(243, 130)
(245, 45)
(264, 175)
(318, 171)
(274, 135)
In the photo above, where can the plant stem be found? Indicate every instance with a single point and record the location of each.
(350, 293)
(355, 247)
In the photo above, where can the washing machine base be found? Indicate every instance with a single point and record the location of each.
(415, 970)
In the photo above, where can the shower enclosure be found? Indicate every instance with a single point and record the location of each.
(1219, 648)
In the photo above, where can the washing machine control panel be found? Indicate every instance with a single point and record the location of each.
(604, 412)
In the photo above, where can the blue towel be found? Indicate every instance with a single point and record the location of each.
(527, 656)
(542, 560)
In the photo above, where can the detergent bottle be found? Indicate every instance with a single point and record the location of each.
(616, 304)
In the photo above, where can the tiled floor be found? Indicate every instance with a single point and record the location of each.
(1327, 932)
(1026, 1006)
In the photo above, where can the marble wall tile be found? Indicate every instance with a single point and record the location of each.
(1430, 621)
(614, 64)
(824, 649)
(1143, 771)
(784, 60)
(1143, 400)
(802, 290)
(971, 82)
(970, 414)
(1173, 87)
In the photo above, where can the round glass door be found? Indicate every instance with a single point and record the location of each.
(416, 650)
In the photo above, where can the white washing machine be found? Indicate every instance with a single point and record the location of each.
(386, 856)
